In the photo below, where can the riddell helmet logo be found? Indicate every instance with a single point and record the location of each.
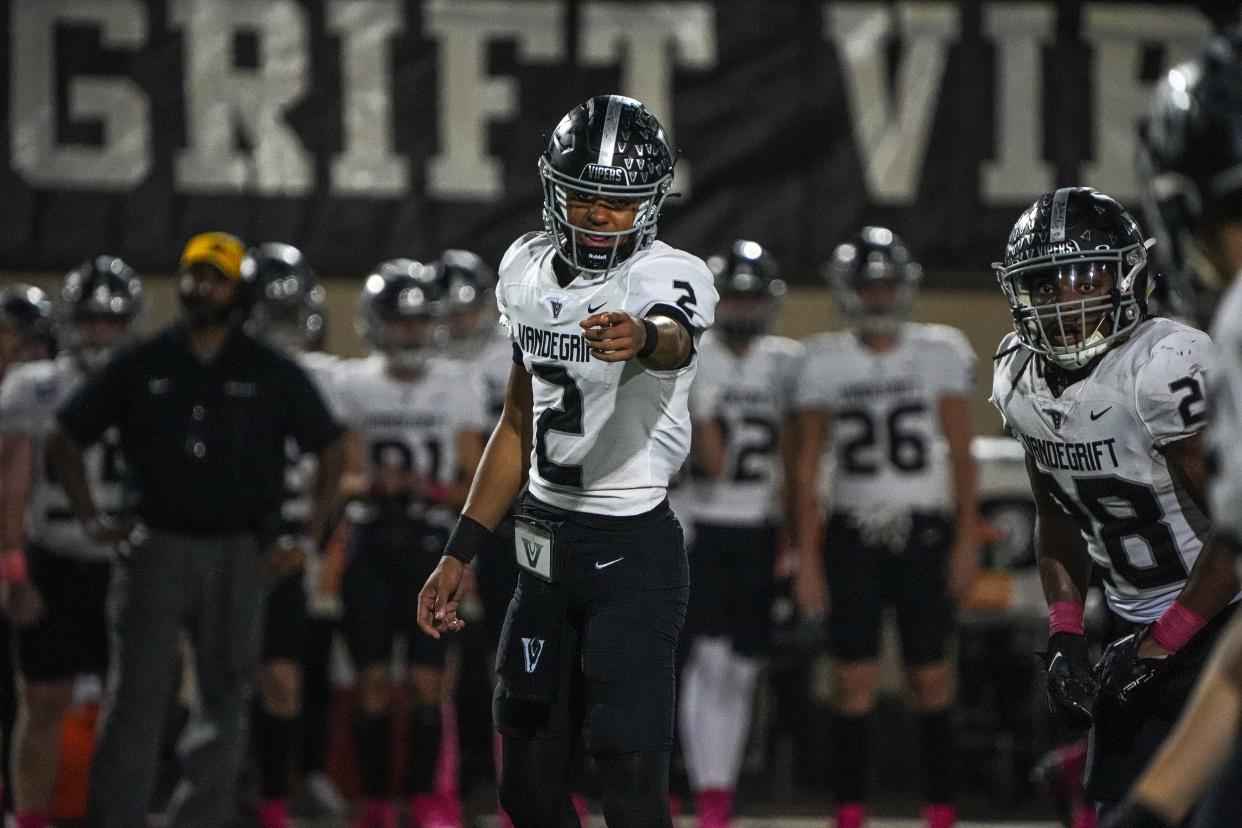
(604, 175)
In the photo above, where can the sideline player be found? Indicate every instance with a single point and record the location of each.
(1108, 403)
(417, 428)
(603, 319)
(1189, 158)
(739, 408)
(26, 334)
(892, 396)
(289, 315)
(59, 609)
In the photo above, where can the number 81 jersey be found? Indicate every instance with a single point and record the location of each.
(1097, 451)
(608, 435)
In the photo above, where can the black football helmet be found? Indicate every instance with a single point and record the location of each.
(875, 256)
(400, 291)
(1190, 161)
(26, 312)
(290, 308)
(102, 289)
(1072, 234)
(469, 287)
(746, 272)
(610, 146)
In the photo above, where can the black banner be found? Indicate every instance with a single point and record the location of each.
(364, 129)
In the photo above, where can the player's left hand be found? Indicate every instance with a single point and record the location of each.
(614, 336)
(1125, 671)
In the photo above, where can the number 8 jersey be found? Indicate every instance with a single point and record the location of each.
(887, 439)
(1097, 450)
(608, 435)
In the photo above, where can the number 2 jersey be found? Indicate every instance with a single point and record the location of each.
(29, 397)
(749, 397)
(887, 438)
(1097, 450)
(608, 435)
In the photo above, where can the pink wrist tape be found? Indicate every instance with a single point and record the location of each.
(1065, 617)
(1177, 626)
(12, 566)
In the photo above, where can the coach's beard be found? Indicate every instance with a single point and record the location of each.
(200, 312)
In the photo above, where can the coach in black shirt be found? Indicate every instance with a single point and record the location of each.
(203, 412)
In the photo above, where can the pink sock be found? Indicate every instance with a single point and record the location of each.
(580, 808)
(940, 815)
(1084, 816)
(32, 819)
(851, 815)
(274, 813)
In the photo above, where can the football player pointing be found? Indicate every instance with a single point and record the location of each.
(1109, 406)
(603, 320)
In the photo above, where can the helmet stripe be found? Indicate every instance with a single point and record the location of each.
(608, 141)
(1060, 206)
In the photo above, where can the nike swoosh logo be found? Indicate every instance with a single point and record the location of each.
(599, 565)
(596, 308)
(1095, 415)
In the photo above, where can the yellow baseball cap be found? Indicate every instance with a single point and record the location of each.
(223, 251)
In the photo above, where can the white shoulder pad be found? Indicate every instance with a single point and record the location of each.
(1011, 357)
(521, 255)
(20, 409)
(789, 355)
(815, 385)
(951, 359)
(663, 275)
(1169, 386)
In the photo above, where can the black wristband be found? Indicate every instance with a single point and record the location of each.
(469, 538)
(653, 339)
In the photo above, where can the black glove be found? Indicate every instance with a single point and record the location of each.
(1124, 677)
(1071, 683)
(1131, 814)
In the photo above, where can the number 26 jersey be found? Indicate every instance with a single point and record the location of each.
(1097, 451)
(607, 435)
(886, 435)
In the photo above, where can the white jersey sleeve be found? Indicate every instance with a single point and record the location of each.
(19, 413)
(953, 364)
(815, 385)
(1225, 424)
(1169, 388)
(675, 283)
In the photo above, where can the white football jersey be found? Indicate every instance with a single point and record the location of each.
(749, 397)
(29, 396)
(1225, 423)
(1097, 447)
(412, 424)
(608, 435)
(887, 439)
